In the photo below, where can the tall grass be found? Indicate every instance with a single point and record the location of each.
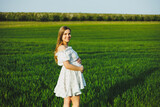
(121, 63)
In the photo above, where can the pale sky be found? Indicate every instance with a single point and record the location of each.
(82, 6)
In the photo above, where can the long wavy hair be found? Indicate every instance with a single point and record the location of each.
(59, 40)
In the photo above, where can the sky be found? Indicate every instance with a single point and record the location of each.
(82, 6)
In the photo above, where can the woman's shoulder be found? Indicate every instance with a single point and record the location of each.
(61, 48)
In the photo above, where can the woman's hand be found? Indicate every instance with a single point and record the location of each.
(81, 68)
(79, 60)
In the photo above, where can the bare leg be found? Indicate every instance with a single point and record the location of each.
(67, 102)
(75, 101)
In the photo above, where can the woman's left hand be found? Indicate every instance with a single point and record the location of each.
(79, 60)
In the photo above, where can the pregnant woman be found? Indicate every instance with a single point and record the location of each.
(71, 80)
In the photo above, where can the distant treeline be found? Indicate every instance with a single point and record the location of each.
(20, 16)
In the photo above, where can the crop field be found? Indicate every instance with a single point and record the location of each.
(121, 61)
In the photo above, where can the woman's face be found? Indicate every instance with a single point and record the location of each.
(66, 36)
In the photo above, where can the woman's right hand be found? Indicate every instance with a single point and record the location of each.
(79, 60)
(81, 68)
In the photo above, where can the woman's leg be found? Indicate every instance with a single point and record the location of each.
(75, 101)
(67, 102)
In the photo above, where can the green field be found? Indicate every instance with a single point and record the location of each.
(121, 61)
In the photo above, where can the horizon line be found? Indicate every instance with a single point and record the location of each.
(81, 13)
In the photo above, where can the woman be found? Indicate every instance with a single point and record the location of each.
(71, 80)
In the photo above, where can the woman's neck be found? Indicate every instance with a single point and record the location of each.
(65, 44)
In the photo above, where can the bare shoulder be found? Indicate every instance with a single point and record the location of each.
(61, 48)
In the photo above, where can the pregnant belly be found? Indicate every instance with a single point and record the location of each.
(76, 63)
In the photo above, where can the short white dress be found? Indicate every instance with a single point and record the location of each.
(69, 82)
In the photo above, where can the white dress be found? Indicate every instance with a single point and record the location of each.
(69, 82)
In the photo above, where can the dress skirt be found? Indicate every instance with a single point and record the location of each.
(69, 83)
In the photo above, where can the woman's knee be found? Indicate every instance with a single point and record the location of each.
(75, 101)
(67, 101)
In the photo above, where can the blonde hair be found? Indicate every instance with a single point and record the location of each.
(59, 40)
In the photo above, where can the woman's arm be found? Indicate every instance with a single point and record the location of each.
(72, 67)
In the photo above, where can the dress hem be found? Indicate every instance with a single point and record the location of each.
(74, 94)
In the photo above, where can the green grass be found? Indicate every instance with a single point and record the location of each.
(121, 61)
